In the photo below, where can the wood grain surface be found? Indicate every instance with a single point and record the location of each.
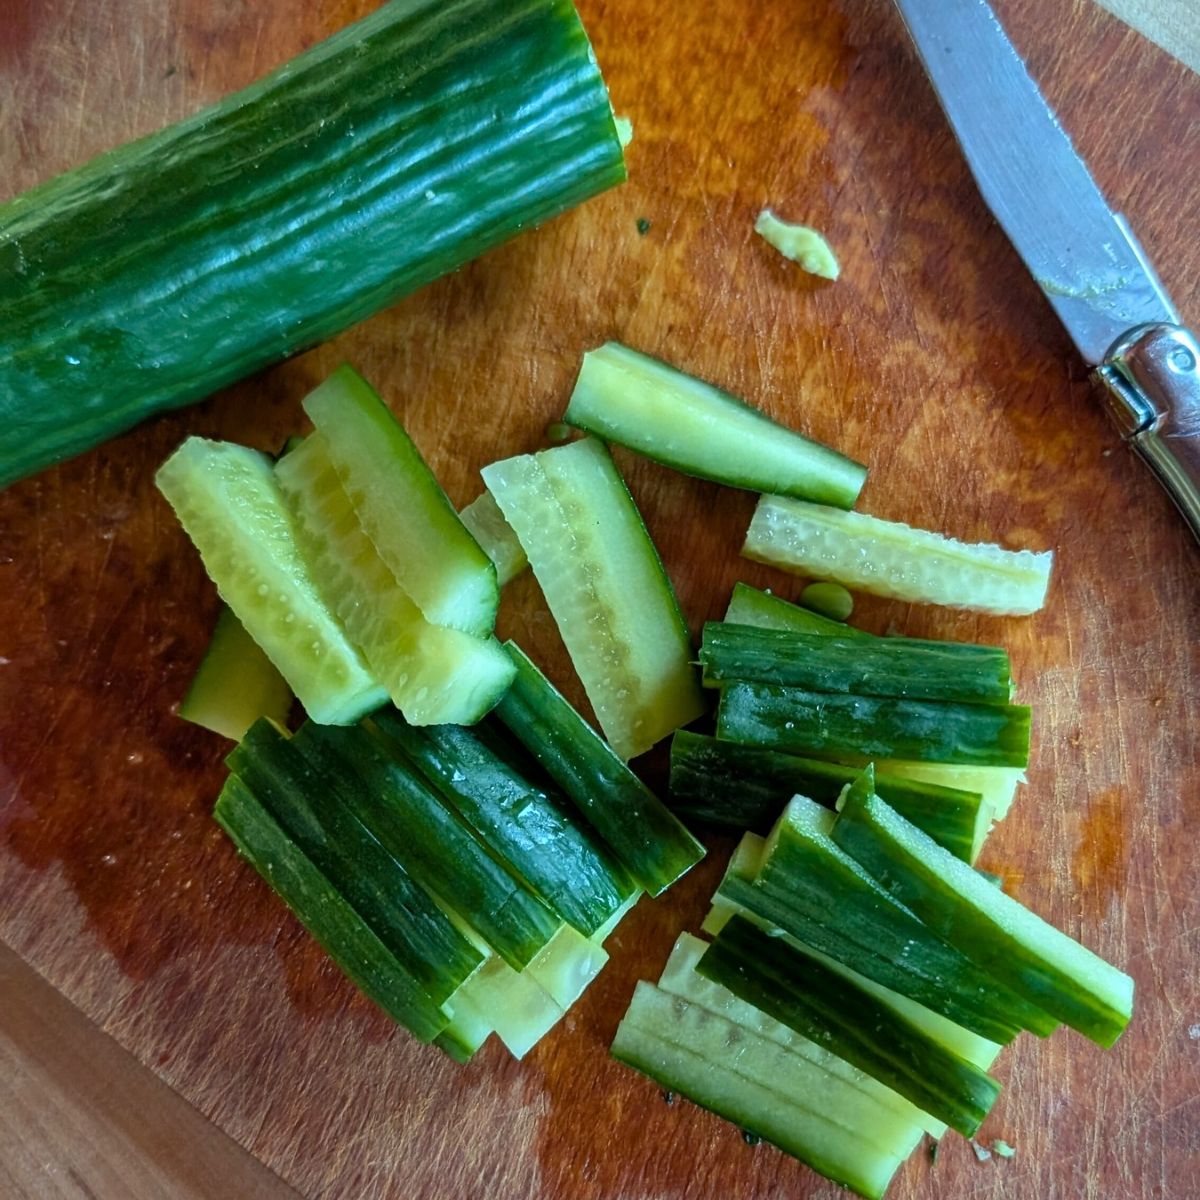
(934, 358)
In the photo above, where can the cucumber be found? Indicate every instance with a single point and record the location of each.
(750, 606)
(486, 524)
(606, 586)
(609, 927)
(227, 500)
(235, 684)
(890, 559)
(519, 1011)
(746, 787)
(433, 674)
(533, 833)
(1039, 962)
(636, 401)
(383, 158)
(414, 825)
(343, 935)
(799, 991)
(848, 1095)
(830, 725)
(404, 916)
(401, 507)
(567, 965)
(650, 842)
(912, 668)
(463, 1037)
(748, 1080)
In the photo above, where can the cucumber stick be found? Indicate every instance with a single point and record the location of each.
(433, 674)
(912, 668)
(833, 725)
(751, 606)
(890, 559)
(802, 993)
(401, 506)
(235, 684)
(345, 937)
(650, 842)
(636, 401)
(751, 1081)
(227, 500)
(606, 587)
(383, 158)
(495, 536)
(746, 787)
(1033, 958)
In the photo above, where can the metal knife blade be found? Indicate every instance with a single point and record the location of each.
(1083, 256)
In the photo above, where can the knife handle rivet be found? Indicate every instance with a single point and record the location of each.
(1182, 360)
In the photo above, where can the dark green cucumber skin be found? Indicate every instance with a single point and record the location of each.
(429, 840)
(917, 885)
(829, 725)
(903, 667)
(765, 610)
(344, 936)
(651, 843)
(746, 787)
(806, 996)
(403, 915)
(385, 157)
(533, 831)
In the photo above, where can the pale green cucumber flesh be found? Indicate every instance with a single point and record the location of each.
(751, 606)
(495, 536)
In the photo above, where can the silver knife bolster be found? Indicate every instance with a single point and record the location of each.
(1151, 381)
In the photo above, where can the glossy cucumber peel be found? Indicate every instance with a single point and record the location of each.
(650, 842)
(912, 668)
(639, 402)
(606, 586)
(433, 674)
(227, 499)
(1033, 958)
(834, 725)
(401, 506)
(383, 158)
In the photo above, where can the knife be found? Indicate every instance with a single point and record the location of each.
(1083, 256)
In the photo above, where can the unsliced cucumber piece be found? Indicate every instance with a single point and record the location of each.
(912, 668)
(401, 506)
(535, 834)
(796, 989)
(227, 500)
(750, 1081)
(750, 606)
(495, 536)
(405, 917)
(849, 1095)
(651, 843)
(319, 907)
(235, 684)
(1033, 958)
(606, 587)
(830, 725)
(890, 559)
(433, 674)
(431, 842)
(637, 401)
(746, 787)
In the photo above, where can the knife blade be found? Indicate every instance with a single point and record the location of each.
(1083, 256)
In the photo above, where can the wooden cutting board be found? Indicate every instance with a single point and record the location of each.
(934, 359)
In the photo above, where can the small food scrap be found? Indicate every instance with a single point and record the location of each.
(557, 431)
(799, 243)
(1002, 1148)
(933, 1150)
(829, 599)
(981, 1151)
(643, 225)
(751, 1139)
(668, 1097)
(624, 130)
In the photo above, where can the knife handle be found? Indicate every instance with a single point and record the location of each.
(1152, 383)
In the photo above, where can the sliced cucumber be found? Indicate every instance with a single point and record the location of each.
(636, 401)
(912, 668)
(750, 606)
(512, 1002)
(1050, 969)
(830, 725)
(890, 559)
(646, 837)
(495, 536)
(401, 506)
(227, 500)
(567, 965)
(235, 684)
(606, 587)
(609, 927)
(433, 674)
